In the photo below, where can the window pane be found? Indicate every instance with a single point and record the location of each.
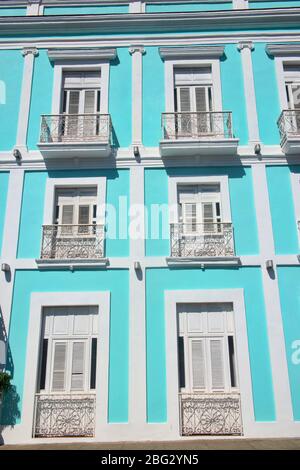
(181, 362)
(232, 361)
(93, 364)
(43, 364)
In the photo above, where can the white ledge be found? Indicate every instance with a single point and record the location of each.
(71, 263)
(203, 261)
(283, 49)
(82, 54)
(212, 52)
(206, 147)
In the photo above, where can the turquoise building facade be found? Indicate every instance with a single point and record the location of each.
(149, 219)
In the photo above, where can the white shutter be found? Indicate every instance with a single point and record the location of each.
(67, 214)
(89, 101)
(208, 217)
(59, 367)
(77, 378)
(201, 99)
(198, 364)
(184, 96)
(217, 364)
(190, 217)
(84, 215)
(73, 102)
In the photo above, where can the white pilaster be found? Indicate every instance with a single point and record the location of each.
(284, 413)
(137, 328)
(10, 240)
(240, 4)
(137, 90)
(137, 6)
(29, 54)
(246, 49)
(34, 8)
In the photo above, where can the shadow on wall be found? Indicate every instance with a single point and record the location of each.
(9, 409)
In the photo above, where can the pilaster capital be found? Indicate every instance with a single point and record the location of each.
(134, 49)
(30, 50)
(245, 45)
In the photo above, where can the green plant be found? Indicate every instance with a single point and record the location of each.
(4, 382)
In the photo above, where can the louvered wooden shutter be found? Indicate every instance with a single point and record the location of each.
(208, 217)
(73, 102)
(190, 217)
(89, 101)
(84, 215)
(217, 364)
(201, 102)
(67, 214)
(59, 367)
(198, 364)
(77, 379)
(185, 99)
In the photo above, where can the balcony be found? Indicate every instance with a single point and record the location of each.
(64, 415)
(214, 414)
(75, 135)
(202, 244)
(289, 129)
(72, 245)
(192, 134)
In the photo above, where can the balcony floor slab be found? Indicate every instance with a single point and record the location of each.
(71, 263)
(198, 147)
(203, 261)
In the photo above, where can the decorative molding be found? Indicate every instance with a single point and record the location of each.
(30, 50)
(283, 49)
(82, 54)
(245, 45)
(200, 52)
(140, 49)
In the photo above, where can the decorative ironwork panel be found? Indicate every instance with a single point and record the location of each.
(69, 128)
(197, 240)
(210, 415)
(289, 123)
(196, 125)
(64, 416)
(72, 242)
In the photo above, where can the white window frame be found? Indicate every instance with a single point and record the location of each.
(221, 180)
(65, 183)
(281, 77)
(40, 300)
(61, 67)
(234, 296)
(170, 66)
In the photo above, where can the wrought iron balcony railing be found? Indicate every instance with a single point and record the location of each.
(75, 128)
(64, 415)
(72, 242)
(197, 125)
(197, 240)
(289, 123)
(204, 414)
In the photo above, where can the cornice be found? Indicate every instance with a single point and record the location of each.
(82, 54)
(283, 49)
(211, 52)
(151, 22)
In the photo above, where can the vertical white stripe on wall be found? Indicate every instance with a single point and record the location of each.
(137, 90)
(284, 414)
(246, 49)
(29, 54)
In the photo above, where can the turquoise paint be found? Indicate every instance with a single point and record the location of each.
(120, 98)
(267, 98)
(11, 71)
(12, 12)
(41, 100)
(233, 96)
(241, 201)
(289, 288)
(274, 4)
(117, 282)
(86, 10)
(153, 96)
(158, 281)
(4, 177)
(282, 209)
(186, 6)
(32, 211)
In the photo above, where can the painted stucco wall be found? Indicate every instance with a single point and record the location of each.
(115, 281)
(4, 177)
(241, 201)
(267, 97)
(12, 12)
(282, 209)
(289, 285)
(32, 211)
(158, 281)
(11, 74)
(186, 6)
(275, 4)
(86, 10)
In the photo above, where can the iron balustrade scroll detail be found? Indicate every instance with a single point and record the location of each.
(64, 416)
(188, 125)
(197, 240)
(75, 128)
(210, 414)
(289, 123)
(72, 242)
